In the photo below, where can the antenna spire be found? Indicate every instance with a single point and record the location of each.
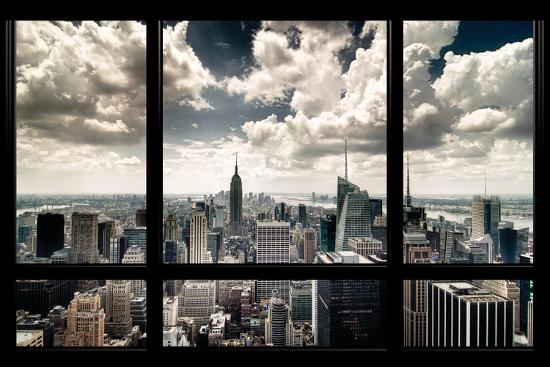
(408, 198)
(485, 185)
(236, 164)
(346, 157)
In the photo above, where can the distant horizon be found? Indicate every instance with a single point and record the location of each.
(269, 193)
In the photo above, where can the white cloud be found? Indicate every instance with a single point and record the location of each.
(80, 106)
(279, 151)
(185, 77)
(309, 76)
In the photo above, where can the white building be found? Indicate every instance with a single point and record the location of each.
(169, 311)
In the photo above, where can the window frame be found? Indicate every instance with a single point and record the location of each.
(155, 271)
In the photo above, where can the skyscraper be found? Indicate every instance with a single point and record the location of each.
(84, 238)
(40, 296)
(486, 217)
(526, 289)
(414, 217)
(350, 313)
(49, 234)
(354, 220)
(477, 317)
(278, 323)
(141, 218)
(273, 247)
(508, 248)
(302, 215)
(198, 238)
(375, 209)
(236, 203)
(414, 312)
(300, 301)
(197, 300)
(170, 228)
(309, 245)
(118, 321)
(105, 231)
(85, 321)
(328, 233)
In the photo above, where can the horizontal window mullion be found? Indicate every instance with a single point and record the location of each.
(272, 271)
(81, 271)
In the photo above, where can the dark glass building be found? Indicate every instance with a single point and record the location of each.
(170, 252)
(50, 232)
(350, 313)
(40, 296)
(302, 215)
(508, 245)
(328, 233)
(375, 209)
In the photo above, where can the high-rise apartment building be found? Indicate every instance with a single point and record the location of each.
(118, 321)
(198, 238)
(414, 312)
(84, 238)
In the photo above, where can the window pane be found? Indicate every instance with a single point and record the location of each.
(274, 313)
(468, 141)
(80, 141)
(80, 313)
(274, 142)
(472, 313)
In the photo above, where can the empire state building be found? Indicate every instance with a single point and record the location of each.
(236, 202)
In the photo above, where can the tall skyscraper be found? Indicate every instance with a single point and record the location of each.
(50, 234)
(105, 231)
(278, 323)
(354, 219)
(302, 215)
(328, 233)
(463, 315)
(170, 252)
(215, 243)
(40, 296)
(170, 228)
(85, 321)
(236, 203)
(508, 248)
(273, 247)
(309, 245)
(118, 321)
(350, 313)
(141, 217)
(414, 217)
(84, 238)
(486, 217)
(198, 238)
(375, 209)
(300, 301)
(526, 289)
(414, 312)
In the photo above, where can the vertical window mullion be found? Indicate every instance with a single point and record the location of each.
(154, 183)
(395, 182)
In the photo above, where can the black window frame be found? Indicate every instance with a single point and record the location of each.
(155, 271)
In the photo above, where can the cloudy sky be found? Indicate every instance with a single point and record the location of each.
(468, 106)
(80, 107)
(284, 95)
